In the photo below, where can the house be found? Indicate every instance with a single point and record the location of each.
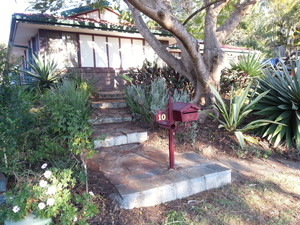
(89, 41)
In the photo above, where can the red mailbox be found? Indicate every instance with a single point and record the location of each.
(185, 112)
(178, 111)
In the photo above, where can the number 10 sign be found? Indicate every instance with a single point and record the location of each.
(161, 116)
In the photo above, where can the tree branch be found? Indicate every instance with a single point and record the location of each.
(162, 52)
(232, 22)
(199, 10)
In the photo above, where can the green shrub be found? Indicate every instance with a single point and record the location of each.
(144, 101)
(186, 132)
(67, 112)
(151, 71)
(88, 85)
(281, 104)
(250, 64)
(16, 124)
(49, 195)
(232, 79)
(234, 115)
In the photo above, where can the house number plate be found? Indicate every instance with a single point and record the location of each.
(161, 116)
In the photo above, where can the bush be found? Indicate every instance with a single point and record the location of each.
(232, 79)
(16, 124)
(67, 112)
(51, 127)
(281, 104)
(233, 116)
(144, 101)
(150, 71)
(49, 195)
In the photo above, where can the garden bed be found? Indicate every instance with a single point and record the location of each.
(263, 191)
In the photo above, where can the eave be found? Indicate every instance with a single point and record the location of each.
(25, 26)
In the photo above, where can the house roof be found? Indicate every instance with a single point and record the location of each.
(76, 11)
(24, 26)
(76, 22)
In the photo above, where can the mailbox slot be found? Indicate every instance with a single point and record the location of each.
(185, 112)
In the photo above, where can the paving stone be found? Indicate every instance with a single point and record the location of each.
(121, 139)
(103, 116)
(217, 179)
(183, 189)
(143, 179)
(194, 157)
(111, 95)
(109, 104)
(168, 192)
(196, 171)
(216, 167)
(137, 137)
(198, 185)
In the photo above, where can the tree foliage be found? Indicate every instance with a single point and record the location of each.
(272, 23)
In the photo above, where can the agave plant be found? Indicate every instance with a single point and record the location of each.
(231, 117)
(250, 64)
(281, 104)
(44, 71)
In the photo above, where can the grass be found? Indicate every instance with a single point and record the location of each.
(274, 199)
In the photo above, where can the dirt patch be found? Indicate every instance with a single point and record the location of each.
(263, 191)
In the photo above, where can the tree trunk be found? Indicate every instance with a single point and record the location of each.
(200, 69)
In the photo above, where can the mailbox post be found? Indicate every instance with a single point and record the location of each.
(177, 111)
(171, 133)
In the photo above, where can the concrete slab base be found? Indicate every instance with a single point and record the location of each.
(142, 177)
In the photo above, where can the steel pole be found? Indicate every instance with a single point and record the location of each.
(171, 148)
(171, 133)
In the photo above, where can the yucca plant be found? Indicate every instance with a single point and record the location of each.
(232, 116)
(249, 64)
(44, 71)
(281, 104)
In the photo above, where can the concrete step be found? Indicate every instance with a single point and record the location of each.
(101, 116)
(109, 104)
(111, 95)
(143, 178)
(118, 134)
(102, 154)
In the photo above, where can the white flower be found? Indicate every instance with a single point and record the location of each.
(44, 166)
(91, 193)
(41, 205)
(16, 209)
(50, 201)
(43, 183)
(47, 174)
(51, 190)
(75, 219)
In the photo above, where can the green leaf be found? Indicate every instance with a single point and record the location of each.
(239, 135)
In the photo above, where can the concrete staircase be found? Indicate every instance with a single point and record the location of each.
(113, 125)
(139, 172)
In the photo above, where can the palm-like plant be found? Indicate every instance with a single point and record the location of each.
(281, 104)
(44, 71)
(232, 116)
(250, 64)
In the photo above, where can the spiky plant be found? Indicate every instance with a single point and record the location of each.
(250, 64)
(281, 104)
(44, 71)
(233, 115)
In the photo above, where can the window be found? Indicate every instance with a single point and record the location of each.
(86, 50)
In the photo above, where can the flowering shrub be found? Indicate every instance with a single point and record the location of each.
(48, 195)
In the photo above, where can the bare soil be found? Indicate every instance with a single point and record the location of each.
(265, 186)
